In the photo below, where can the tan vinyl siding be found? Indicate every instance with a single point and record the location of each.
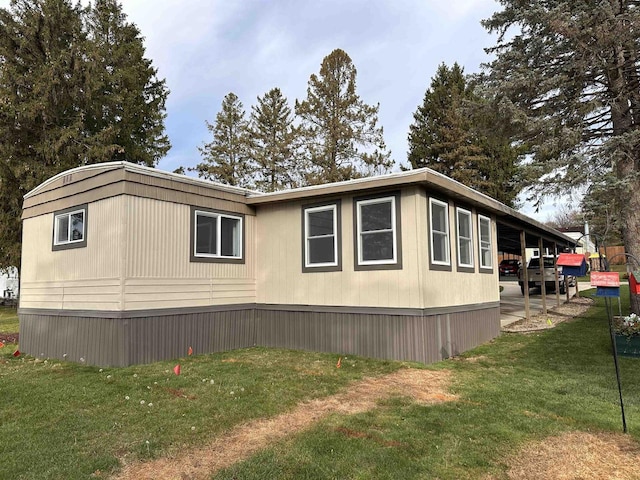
(159, 273)
(79, 278)
(279, 264)
(444, 288)
(98, 183)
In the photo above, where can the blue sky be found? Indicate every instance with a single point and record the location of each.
(208, 48)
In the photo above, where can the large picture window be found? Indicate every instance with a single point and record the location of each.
(321, 238)
(70, 228)
(377, 232)
(217, 236)
(484, 229)
(439, 226)
(465, 238)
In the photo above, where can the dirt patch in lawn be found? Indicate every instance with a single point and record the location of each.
(425, 386)
(577, 456)
(9, 337)
(565, 312)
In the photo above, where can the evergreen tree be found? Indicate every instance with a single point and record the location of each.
(339, 131)
(41, 105)
(273, 143)
(569, 74)
(127, 106)
(457, 132)
(51, 96)
(227, 157)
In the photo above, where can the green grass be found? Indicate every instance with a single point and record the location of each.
(525, 387)
(66, 421)
(8, 320)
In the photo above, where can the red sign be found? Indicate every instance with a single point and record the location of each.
(570, 260)
(605, 279)
(634, 284)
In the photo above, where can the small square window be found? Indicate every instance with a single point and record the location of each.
(217, 236)
(69, 228)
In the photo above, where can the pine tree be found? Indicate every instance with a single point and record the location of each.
(339, 131)
(52, 95)
(127, 108)
(456, 132)
(571, 70)
(227, 157)
(41, 99)
(273, 143)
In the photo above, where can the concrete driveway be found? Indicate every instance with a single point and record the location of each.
(512, 300)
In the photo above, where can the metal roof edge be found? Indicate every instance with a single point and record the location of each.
(423, 175)
(144, 170)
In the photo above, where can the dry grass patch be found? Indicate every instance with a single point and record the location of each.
(424, 386)
(578, 456)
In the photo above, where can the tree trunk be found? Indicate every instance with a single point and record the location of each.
(631, 232)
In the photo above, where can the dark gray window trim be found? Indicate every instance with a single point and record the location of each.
(68, 246)
(488, 270)
(338, 233)
(192, 234)
(398, 232)
(437, 266)
(460, 268)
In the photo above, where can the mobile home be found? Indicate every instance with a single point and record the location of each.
(124, 264)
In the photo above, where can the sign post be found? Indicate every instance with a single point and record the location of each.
(608, 286)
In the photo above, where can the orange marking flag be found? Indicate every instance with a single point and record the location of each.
(1, 345)
(339, 364)
(16, 353)
(190, 351)
(176, 369)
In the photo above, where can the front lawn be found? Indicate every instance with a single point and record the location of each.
(515, 390)
(8, 320)
(65, 421)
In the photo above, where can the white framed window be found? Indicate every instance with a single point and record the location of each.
(69, 228)
(439, 227)
(377, 242)
(321, 236)
(217, 235)
(465, 237)
(484, 236)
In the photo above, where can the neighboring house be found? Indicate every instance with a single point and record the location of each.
(124, 264)
(583, 242)
(9, 285)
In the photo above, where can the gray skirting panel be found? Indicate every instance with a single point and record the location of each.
(133, 337)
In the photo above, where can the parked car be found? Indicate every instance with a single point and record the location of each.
(509, 267)
(533, 272)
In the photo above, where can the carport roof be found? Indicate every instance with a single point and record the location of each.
(509, 221)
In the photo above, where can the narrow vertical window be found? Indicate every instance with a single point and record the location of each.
(69, 228)
(439, 225)
(484, 234)
(216, 236)
(321, 239)
(376, 231)
(465, 238)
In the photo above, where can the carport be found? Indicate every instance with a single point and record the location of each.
(517, 232)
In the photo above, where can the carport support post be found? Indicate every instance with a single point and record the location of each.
(525, 273)
(543, 284)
